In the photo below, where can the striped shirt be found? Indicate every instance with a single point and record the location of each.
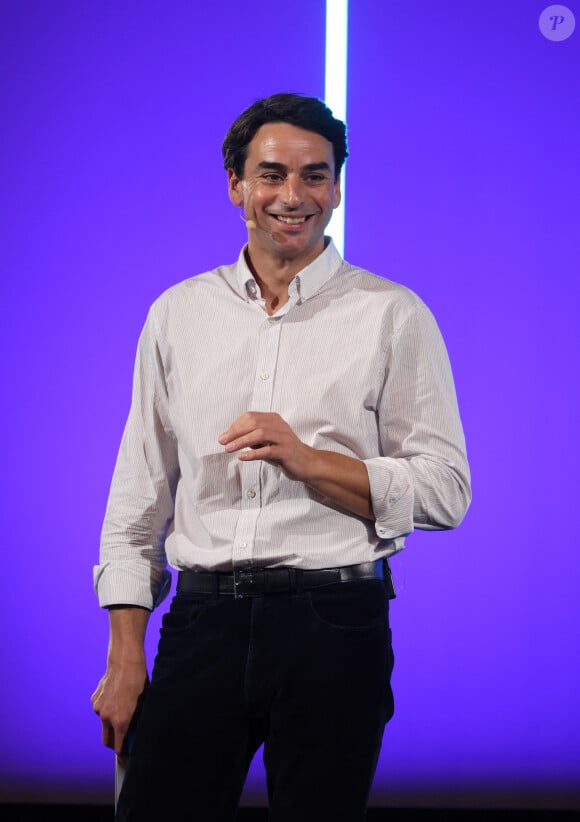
(353, 362)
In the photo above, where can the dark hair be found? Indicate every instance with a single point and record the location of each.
(308, 113)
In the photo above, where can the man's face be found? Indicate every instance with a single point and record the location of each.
(288, 190)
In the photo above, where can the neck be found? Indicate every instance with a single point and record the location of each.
(273, 280)
(275, 273)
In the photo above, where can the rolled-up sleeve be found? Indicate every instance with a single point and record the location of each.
(422, 477)
(133, 568)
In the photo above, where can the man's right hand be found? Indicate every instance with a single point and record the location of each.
(118, 694)
(116, 700)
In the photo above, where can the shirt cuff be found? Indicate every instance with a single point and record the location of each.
(130, 583)
(392, 496)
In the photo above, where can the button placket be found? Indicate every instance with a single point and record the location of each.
(250, 472)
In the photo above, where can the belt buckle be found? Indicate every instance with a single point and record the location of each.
(248, 583)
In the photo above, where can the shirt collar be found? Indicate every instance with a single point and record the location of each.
(307, 282)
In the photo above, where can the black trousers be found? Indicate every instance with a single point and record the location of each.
(306, 674)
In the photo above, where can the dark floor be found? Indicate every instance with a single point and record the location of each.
(103, 813)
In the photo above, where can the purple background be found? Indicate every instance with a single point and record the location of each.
(463, 184)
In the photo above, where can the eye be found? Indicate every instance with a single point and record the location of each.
(272, 177)
(316, 178)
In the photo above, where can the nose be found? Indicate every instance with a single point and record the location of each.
(291, 192)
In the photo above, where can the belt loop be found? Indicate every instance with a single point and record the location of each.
(238, 594)
(298, 580)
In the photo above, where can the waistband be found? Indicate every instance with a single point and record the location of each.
(253, 582)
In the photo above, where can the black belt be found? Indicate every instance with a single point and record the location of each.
(252, 582)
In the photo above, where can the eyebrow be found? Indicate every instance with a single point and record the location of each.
(281, 167)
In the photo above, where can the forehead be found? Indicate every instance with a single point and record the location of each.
(287, 144)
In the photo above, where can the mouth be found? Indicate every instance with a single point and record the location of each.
(287, 220)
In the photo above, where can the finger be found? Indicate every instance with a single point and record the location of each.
(120, 741)
(235, 431)
(254, 439)
(264, 451)
(108, 735)
(242, 425)
(249, 422)
(95, 698)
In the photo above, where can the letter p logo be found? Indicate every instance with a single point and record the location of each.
(557, 23)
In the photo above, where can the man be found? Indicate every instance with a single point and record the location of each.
(293, 419)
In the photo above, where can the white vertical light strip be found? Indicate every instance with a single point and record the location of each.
(335, 91)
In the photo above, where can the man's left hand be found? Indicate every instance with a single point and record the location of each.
(267, 436)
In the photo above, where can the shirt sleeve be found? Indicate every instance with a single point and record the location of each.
(133, 566)
(422, 477)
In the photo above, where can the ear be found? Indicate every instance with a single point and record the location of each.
(337, 193)
(235, 188)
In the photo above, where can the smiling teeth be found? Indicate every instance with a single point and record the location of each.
(291, 220)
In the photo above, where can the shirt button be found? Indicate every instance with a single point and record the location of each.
(243, 544)
(264, 375)
(251, 493)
